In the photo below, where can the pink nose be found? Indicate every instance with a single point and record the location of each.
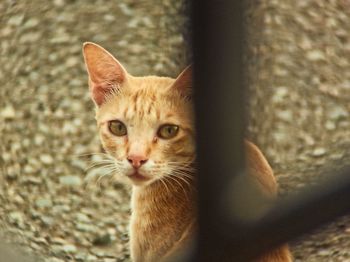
(137, 161)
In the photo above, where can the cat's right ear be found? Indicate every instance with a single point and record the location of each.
(105, 73)
(184, 81)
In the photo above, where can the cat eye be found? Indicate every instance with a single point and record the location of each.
(167, 131)
(117, 128)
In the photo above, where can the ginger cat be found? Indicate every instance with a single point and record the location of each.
(146, 125)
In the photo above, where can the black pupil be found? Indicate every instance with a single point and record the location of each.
(118, 127)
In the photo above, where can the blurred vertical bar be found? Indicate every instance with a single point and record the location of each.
(219, 101)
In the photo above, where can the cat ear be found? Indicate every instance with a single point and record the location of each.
(105, 72)
(183, 82)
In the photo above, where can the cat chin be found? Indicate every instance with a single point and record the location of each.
(138, 179)
(140, 183)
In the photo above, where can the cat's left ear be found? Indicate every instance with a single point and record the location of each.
(183, 82)
(105, 72)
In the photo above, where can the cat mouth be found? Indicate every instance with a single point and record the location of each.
(137, 177)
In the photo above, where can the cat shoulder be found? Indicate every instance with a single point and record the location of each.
(259, 168)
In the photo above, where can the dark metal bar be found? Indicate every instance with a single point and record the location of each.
(292, 217)
(219, 90)
(218, 76)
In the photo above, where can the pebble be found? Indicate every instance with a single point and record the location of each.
(40, 240)
(31, 179)
(8, 113)
(58, 209)
(286, 115)
(11, 172)
(78, 163)
(6, 157)
(34, 214)
(57, 241)
(109, 18)
(330, 125)
(280, 136)
(43, 202)
(325, 252)
(280, 94)
(15, 20)
(54, 259)
(72, 61)
(28, 169)
(68, 128)
(47, 221)
(98, 252)
(91, 258)
(39, 139)
(83, 227)
(46, 159)
(337, 113)
(125, 9)
(320, 151)
(133, 23)
(16, 218)
(70, 180)
(30, 38)
(57, 250)
(81, 257)
(315, 55)
(69, 249)
(59, 3)
(109, 260)
(81, 217)
(32, 22)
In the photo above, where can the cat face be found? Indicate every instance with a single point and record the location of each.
(145, 123)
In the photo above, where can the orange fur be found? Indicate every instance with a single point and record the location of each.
(163, 202)
(260, 170)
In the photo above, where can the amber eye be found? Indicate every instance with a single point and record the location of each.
(117, 128)
(168, 131)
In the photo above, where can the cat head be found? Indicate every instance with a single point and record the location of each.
(145, 123)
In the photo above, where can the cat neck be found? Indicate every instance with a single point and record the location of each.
(160, 195)
(165, 214)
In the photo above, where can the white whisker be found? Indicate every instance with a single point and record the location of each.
(180, 177)
(162, 180)
(178, 182)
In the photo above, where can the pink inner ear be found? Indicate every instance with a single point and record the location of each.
(101, 89)
(104, 80)
(184, 81)
(99, 93)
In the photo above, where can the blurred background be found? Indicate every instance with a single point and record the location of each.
(298, 63)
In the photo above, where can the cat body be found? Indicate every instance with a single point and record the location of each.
(146, 125)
